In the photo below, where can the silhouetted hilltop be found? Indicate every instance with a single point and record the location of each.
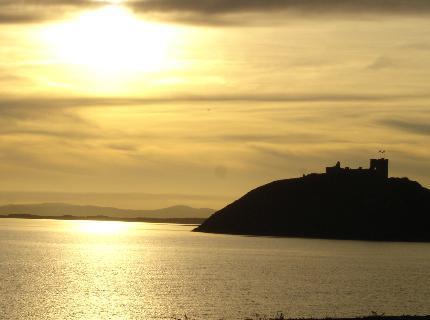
(344, 205)
(62, 209)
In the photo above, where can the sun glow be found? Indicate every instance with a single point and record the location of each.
(111, 41)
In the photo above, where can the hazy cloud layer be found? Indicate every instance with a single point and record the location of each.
(163, 147)
(211, 11)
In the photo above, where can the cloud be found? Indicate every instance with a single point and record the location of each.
(305, 6)
(409, 126)
(10, 77)
(61, 118)
(6, 18)
(246, 138)
(381, 63)
(34, 11)
(421, 46)
(43, 119)
(15, 106)
(126, 147)
(69, 134)
(211, 11)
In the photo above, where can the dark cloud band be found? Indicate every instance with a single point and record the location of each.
(211, 7)
(33, 11)
(211, 11)
(416, 126)
(14, 105)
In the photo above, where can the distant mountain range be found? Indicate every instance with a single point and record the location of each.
(349, 205)
(64, 209)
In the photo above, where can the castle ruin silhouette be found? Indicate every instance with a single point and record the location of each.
(378, 168)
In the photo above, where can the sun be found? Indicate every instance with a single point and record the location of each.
(111, 41)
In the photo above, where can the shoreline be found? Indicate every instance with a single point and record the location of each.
(304, 236)
(372, 317)
(280, 316)
(376, 317)
(188, 221)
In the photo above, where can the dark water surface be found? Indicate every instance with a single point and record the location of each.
(118, 270)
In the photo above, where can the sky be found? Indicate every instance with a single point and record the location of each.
(149, 103)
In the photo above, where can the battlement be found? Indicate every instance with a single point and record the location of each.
(377, 168)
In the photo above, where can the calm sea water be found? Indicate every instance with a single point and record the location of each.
(118, 270)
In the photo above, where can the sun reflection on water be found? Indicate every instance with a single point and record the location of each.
(102, 227)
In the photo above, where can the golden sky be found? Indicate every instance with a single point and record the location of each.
(197, 102)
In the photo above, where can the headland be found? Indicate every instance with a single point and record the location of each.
(342, 203)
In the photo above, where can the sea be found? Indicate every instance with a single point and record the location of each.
(55, 269)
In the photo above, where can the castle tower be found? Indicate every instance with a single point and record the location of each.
(379, 167)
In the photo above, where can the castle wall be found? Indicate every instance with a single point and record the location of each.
(378, 168)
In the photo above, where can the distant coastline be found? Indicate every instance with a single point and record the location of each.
(190, 221)
(179, 214)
